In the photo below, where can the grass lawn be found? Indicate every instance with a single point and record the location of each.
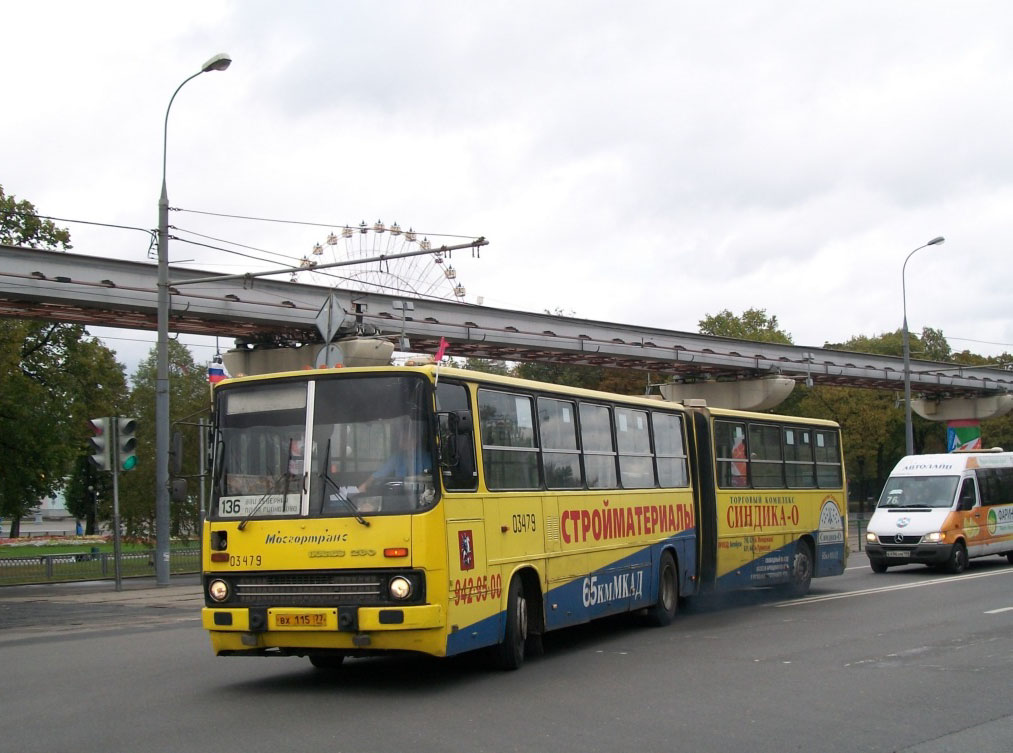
(86, 558)
(84, 544)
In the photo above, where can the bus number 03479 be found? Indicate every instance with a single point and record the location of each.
(524, 522)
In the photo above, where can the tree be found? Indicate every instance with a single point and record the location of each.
(52, 379)
(99, 388)
(189, 400)
(47, 385)
(21, 226)
(487, 365)
(753, 324)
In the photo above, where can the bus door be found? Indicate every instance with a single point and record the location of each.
(469, 588)
(702, 462)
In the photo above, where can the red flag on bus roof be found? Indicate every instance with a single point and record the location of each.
(441, 350)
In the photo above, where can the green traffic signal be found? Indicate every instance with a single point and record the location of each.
(126, 443)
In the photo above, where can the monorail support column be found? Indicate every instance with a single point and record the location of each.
(741, 394)
(963, 417)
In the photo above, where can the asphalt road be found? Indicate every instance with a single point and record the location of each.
(910, 661)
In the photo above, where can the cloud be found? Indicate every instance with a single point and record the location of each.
(650, 163)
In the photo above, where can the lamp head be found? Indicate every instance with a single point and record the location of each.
(218, 63)
(936, 241)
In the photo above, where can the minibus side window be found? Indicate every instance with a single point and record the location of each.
(967, 495)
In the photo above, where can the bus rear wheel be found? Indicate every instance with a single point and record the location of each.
(663, 611)
(801, 574)
(510, 653)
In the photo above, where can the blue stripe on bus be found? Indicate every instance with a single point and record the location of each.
(624, 585)
(775, 567)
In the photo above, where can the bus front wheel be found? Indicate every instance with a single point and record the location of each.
(663, 611)
(510, 653)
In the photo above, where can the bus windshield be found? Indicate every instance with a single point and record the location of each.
(919, 491)
(369, 450)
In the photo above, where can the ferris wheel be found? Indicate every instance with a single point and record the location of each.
(427, 275)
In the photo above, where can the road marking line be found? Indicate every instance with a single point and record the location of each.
(887, 589)
(997, 611)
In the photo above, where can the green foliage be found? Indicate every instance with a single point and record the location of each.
(52, 376)
(887, 344)
(930, 346)
(753, 324)
(588, 377)
(189, 400)
(487, 366)
(21, 226)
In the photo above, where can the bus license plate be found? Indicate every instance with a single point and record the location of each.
(304, 620)
(898, 555)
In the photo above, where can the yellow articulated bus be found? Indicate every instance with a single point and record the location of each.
(367, 510)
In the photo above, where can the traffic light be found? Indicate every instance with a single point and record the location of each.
(99, 445)
(126, 443)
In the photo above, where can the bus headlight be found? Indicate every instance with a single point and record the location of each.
(400, 588)
(871, 537)
(218, 590)
(934, 537)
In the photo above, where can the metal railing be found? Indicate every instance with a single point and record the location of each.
(91, 565)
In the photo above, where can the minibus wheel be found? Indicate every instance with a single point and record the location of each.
(957, 561)
(1009, 557)
(878, 566)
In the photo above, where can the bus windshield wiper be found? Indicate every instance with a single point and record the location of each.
(273, 489)
(326, 476)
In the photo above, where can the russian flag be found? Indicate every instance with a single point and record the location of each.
(216, 371)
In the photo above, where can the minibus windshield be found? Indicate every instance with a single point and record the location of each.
(919, 491)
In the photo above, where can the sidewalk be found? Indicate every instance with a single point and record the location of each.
(45, 610)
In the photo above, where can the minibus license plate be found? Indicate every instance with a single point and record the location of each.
(898, 555)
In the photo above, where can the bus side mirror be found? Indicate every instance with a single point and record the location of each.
(457, 452)
(460, 422)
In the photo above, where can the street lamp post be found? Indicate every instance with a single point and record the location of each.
(908, 429)
(217, 63)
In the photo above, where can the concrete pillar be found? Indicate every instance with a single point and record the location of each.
(741, 394)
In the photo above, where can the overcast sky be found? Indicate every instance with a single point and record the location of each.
(647, 163)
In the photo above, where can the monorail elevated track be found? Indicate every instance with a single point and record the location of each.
(262, 312)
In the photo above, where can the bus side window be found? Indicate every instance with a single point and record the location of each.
(967, 495)
(457, 440)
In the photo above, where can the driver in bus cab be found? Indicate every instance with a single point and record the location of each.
(409, 458)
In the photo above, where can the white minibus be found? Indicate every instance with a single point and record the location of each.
(942, 510)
